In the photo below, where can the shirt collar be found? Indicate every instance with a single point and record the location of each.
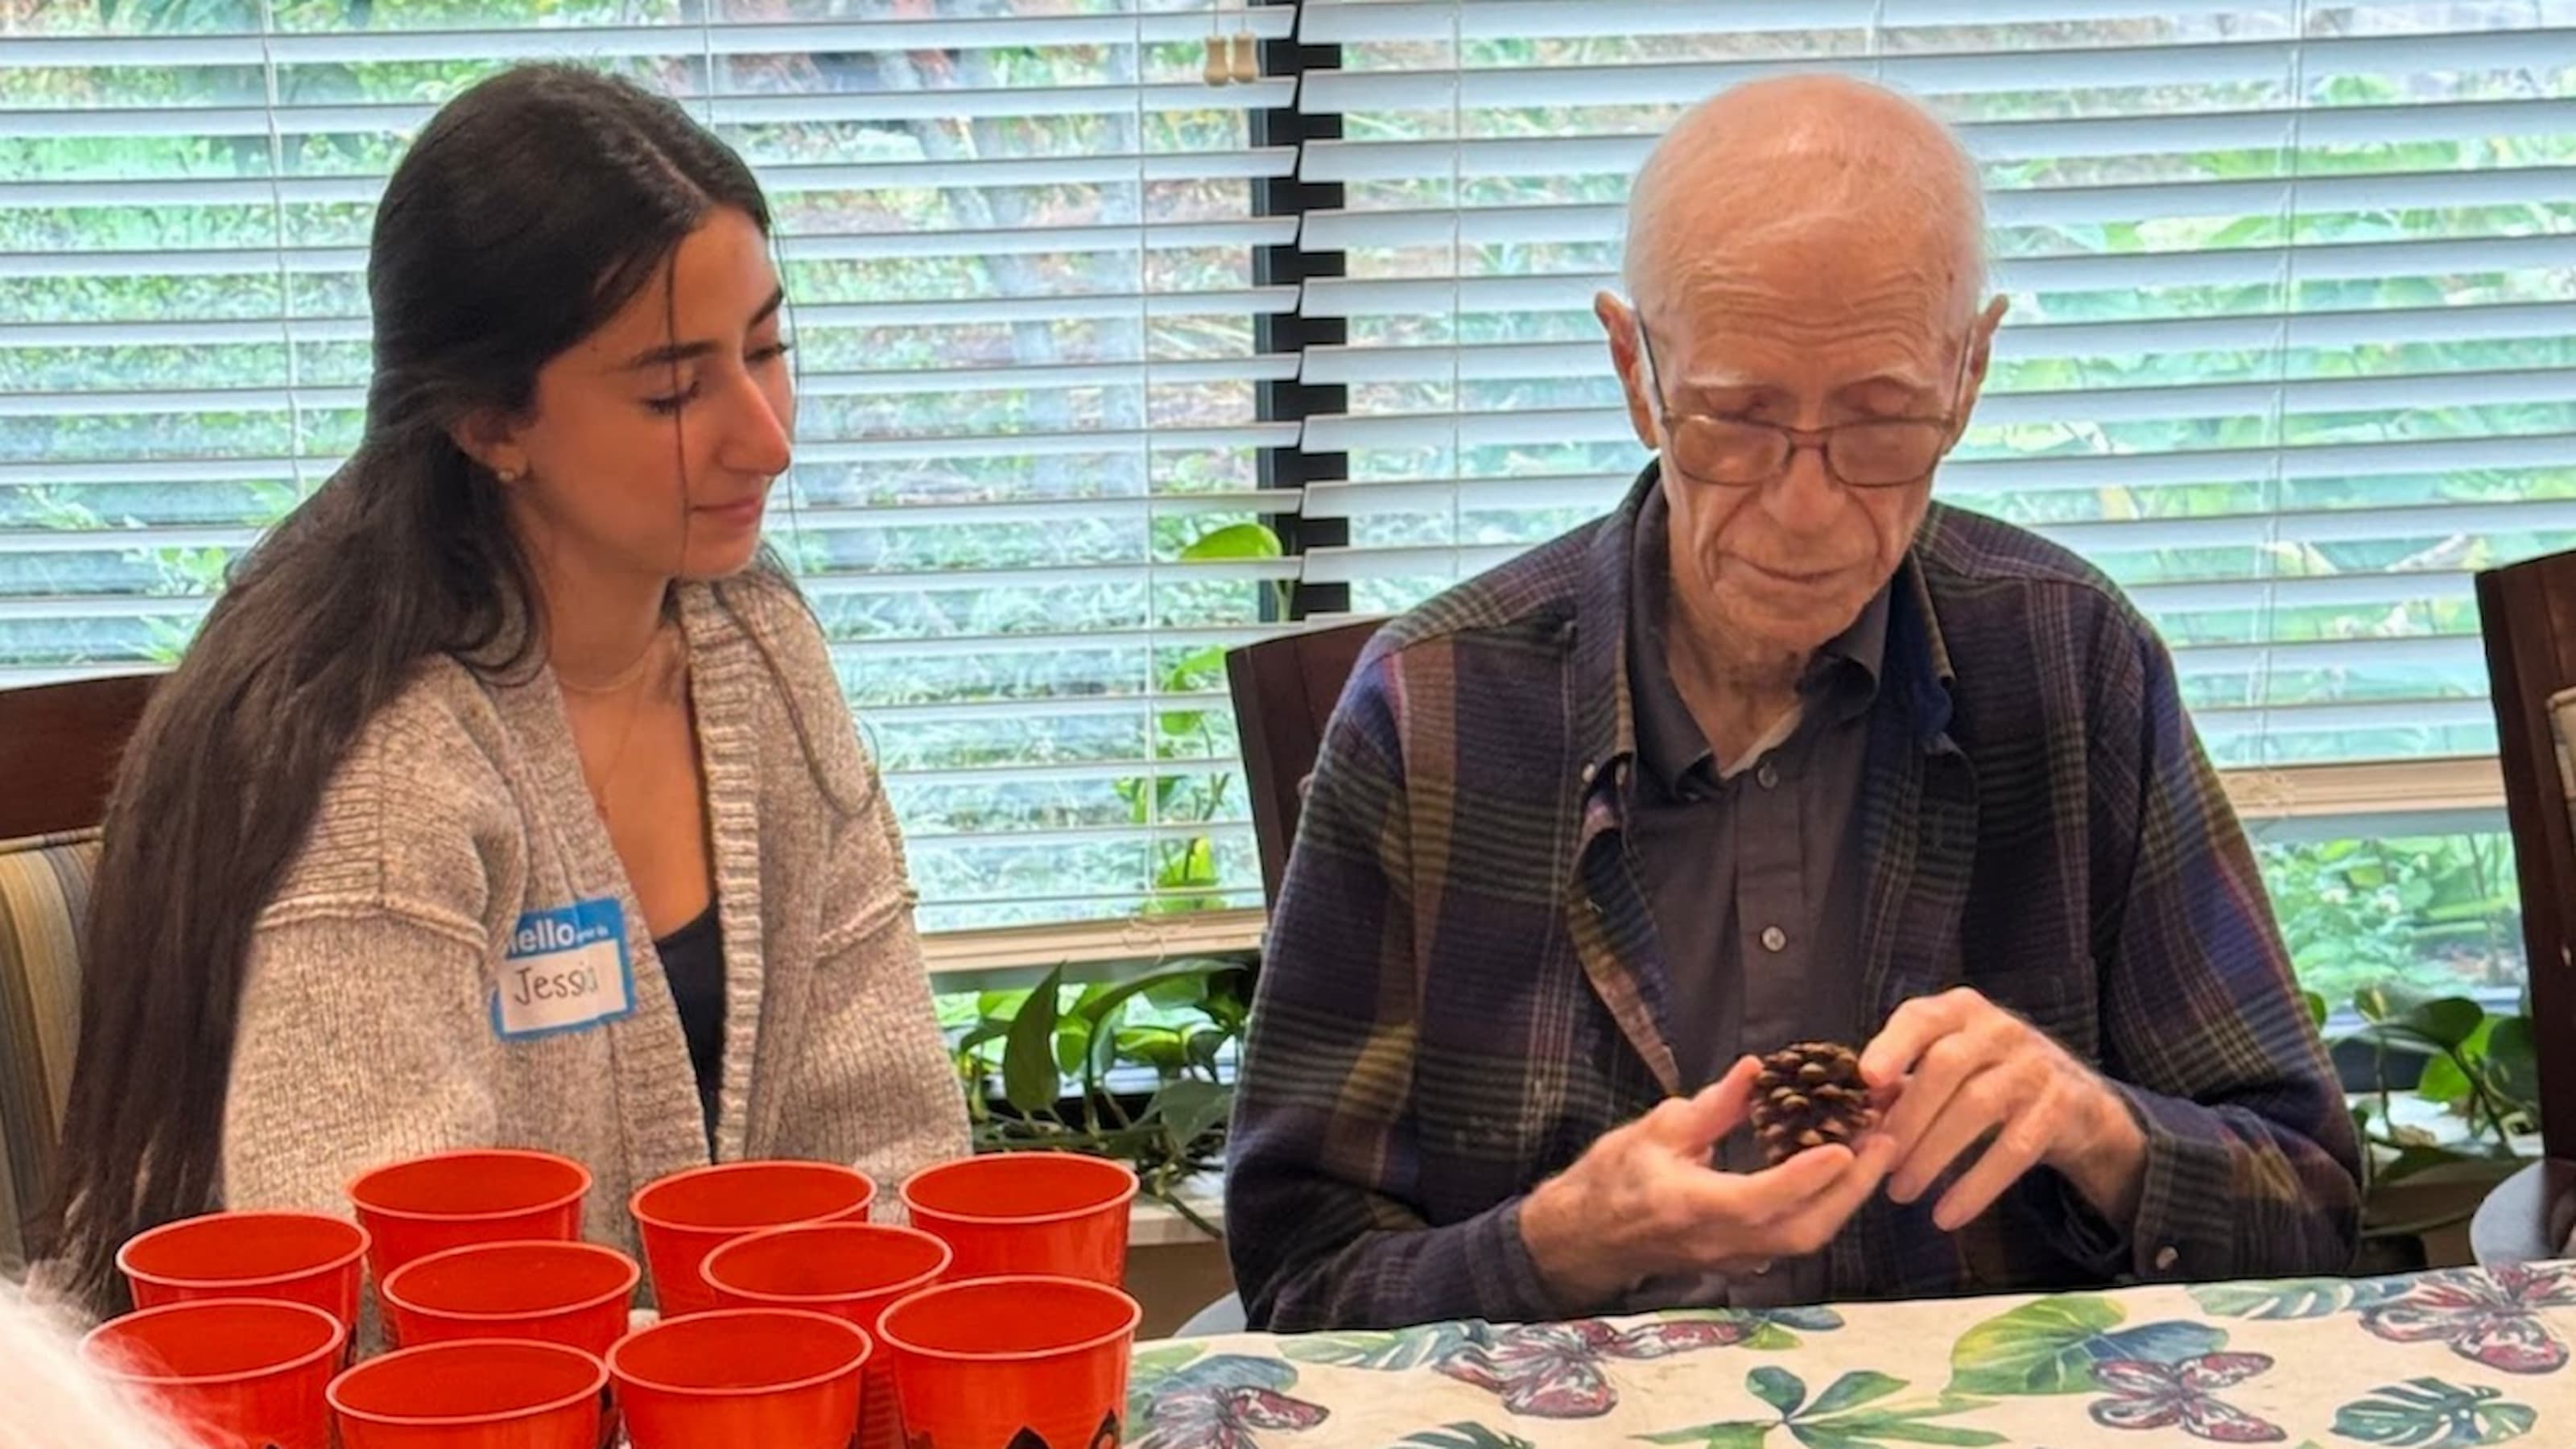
(1840, 683)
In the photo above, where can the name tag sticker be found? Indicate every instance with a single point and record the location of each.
(566, 969)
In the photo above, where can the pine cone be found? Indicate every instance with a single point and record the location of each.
(1808, 1095)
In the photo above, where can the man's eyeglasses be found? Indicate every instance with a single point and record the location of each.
(1744, 453)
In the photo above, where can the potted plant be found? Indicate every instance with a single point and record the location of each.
(2420, 1186)
(1137, 1070)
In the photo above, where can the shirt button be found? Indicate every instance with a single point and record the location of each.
(1766, 777)
(2166, 1257)
(1774, 939)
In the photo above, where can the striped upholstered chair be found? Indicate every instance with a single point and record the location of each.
(44, 888)
(58, 752)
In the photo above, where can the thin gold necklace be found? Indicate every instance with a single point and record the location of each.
(600, 793)
(625, 677)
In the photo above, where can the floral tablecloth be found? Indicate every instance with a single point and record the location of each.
(2430, 1361)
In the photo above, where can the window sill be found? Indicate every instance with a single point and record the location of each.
(1015, 957)
(1151, 1224)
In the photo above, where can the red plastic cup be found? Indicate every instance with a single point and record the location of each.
(687, 1215)
(231, 1373)
(1044, 1214)
(978, 1364)
(472, 1394)
(852, 1271)
(774, 1377)
(454, 1199)
(288, 1257)
(574, 1294)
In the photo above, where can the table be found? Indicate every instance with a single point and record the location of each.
(2435, 1360)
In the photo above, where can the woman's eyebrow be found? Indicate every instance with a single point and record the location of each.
(670, 352)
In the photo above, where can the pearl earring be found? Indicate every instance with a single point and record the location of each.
(508, 476)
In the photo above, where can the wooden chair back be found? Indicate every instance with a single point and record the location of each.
(2527, 612)
(59, 747)
(1284, 690)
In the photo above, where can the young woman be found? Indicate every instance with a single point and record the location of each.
(508, 796)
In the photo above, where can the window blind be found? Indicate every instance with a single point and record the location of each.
(1018, 238)
(2292, 345)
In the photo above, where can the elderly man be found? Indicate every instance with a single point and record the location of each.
(1781, 751)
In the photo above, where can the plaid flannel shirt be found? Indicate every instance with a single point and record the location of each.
(1462, 987)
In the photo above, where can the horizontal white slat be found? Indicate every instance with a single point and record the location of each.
(2211, 63)
(2311, 461)
(691, 38)
(2341, 261)
(1377, 21)
(815, 585)
(2016, 341)
(787, 519)
(2284, 197)
(1036, 377)
(1080, 835)
(1337, 433)
(813, 451)
(968, 311)
(793, 108)
(778, 180)
(2284, 130)
(1967, 478)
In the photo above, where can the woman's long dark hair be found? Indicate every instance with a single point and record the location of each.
(529, 210)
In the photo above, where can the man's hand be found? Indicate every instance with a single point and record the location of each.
(1643, 1201)
(1961, 1070)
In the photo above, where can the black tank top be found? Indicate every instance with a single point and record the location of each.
(693, 959)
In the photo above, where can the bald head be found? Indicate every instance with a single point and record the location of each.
(1805, 160)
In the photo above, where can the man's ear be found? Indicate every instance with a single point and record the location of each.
(489, 437)
(1619, 322)
(1981, 357)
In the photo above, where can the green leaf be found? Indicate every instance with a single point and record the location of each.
(1772, 1338)
(2432, 1414)
(1205, 1047)
(1387, 1352)
(1235, 541)
(1777, 1387)
(2513, 1060)
(1189, 1108)
(2050, 1347)
(1072, 1042)
(1029, 1079)
(1463, 1436)
(1152, 1365)
(2318, 1011)
(2287, 1298)
(1905, 1431)
(1852, 1390)
(1739, 1434)
(2038, 1348)
(2450, 1021)
(1166, 978)
(2380, 1003)
(1177, 990)
(2443, 1082)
